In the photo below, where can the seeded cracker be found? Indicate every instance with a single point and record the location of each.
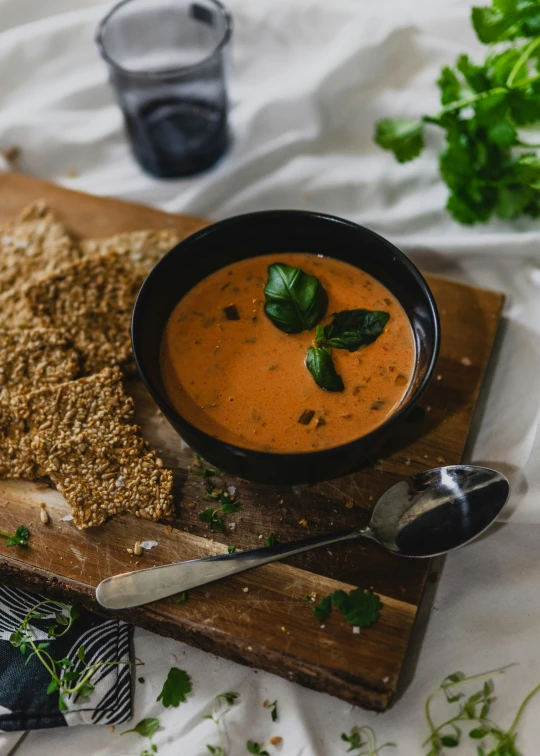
(31, 245)
(92, 300)
(90, 402)
(30, 359)
(105, 472)
(144, 248)
(16, 458)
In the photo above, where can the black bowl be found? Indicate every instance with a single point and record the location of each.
(270, 232)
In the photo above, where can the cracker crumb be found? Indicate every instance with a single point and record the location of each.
(466, 361)
(246, 589)
(276, 740)
(303, 522)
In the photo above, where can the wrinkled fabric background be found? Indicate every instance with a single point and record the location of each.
(308, 81)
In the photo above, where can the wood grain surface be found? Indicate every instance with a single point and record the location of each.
(269, 625)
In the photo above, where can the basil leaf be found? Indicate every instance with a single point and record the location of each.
(354, 329)
(320, 365)
(295, 301)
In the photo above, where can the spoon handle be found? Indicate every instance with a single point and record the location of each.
(143, 586)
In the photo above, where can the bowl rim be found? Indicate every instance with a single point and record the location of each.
(302, 456)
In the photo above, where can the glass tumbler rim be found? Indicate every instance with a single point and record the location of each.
(167, 72)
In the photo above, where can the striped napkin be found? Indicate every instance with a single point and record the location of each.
(24, 701)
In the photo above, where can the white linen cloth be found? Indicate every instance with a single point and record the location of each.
(308, 81)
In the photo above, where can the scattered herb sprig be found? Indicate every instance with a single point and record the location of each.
(473, 714)
(175, 688)
(257, 749)
(273, 710)
(228, 503)
(146, 728)
(19, 538)
(68, 678)
(360, 607)
(362, 739)
(211, 515)
(220, 707)
(271, 540)
(485, 163)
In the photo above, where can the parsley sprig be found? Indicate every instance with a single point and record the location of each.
(175, 688)
(483, 161)
(220, 708)
(360, 607)
(19, 538)
(68, 678)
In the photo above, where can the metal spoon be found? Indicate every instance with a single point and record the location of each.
(428, 514)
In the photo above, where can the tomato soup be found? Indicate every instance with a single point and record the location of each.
(232, 373)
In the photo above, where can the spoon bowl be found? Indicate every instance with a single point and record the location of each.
(438, 510)
(428, 514)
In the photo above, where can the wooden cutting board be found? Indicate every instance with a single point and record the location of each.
(261, 618)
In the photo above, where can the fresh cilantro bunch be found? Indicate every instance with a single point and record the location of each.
(487, 166)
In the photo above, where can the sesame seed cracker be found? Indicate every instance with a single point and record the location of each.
(144, 248)
(35, 357)
(105, 472)
(92, 300)
(32, 244)
(94, 401)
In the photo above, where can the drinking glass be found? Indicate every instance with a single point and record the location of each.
(166, 61)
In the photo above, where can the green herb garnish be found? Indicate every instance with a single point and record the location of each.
(182, 598)
(68, 677)
(256, 749)
(273, 710)
(483, 106)
(217, 714)
(228, 506)
(19, 538)
(295, 301)
(362, 739)
(352, 329)
(231, 549)
(175, 688)
(271, 540)
(145, 728)
(360, 607)
(323, 609)
(320, 365)
(473, 713)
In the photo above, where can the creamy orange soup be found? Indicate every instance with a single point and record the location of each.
(245, 381)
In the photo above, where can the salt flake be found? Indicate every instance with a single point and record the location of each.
(67, 518)
(148, 544)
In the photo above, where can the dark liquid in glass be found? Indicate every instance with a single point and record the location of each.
(172, 138)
